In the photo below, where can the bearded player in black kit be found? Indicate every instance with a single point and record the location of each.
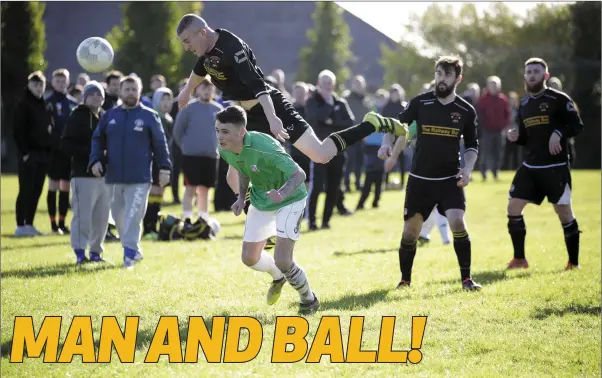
(436, 178)
(547, 118)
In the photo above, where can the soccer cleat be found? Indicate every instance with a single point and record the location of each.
(517, 264)
(270, 243)
(469, 284)
(403, 283)
(309, 308)
(571, 266)
(386, 124)
(275, 290)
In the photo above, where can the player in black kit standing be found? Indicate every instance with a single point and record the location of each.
(233, 69)
(436, 178)
(547, 118)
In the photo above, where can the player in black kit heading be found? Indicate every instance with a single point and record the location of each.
(547, 119)
(436, 177)
(233, 69)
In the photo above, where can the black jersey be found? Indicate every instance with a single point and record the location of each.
(439, 128)
(539, 116)
(233, 69)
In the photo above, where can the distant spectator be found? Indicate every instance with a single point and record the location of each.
(513, 153)
(393, 108)
(82, 79)
(77, 93)
(359, 104)
(112, 80)
(280, 78)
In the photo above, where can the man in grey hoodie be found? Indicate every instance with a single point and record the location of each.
(194, 132)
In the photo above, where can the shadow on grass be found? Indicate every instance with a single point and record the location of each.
(487, 277)
(36, 245)
(355, 301)
(572, 309)
(57, 270)
(364, 251)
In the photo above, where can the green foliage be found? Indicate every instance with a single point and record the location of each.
(330, 45)
(496, 42)
(146, 42)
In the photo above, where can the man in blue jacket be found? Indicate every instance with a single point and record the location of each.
(125, 143)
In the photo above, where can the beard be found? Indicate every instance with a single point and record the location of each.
(535, 87)
(442, 90)
(130, 101)
(205, 99)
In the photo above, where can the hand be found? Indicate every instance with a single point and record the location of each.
(513, 135)
(464, 175)
(97, 169)
(25, 158)
(277, 128)
(385, 151)
(238, 206)
(183, 98)
(275, 196)
(390, 164)
(554, 144)
(164, 176)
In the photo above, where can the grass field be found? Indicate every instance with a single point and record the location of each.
(540, 322)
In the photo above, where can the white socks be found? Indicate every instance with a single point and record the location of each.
(267, 264)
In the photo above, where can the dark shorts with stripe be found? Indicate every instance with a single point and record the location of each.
(292, 121)
(535, 184)
(423, 195)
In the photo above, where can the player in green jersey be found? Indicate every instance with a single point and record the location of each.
(278, 198)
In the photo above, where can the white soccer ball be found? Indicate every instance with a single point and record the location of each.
(95, 54)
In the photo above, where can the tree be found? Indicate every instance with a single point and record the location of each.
(23, 47)
(146, 43)
(330, 45)
(496, 42)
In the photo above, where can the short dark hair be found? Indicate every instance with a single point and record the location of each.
(113, 75)
(235, 115)
(206, 81)
(130, 79)
(36, 76)
(185, 22)
(76, 89)
(449, 62)
(539, 61)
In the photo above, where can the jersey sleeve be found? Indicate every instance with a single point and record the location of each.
(241, 60)
(199, 67)
(410, 113)
(568, 113)
(471, 141)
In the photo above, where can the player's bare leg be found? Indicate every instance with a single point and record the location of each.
(255, 257)
(462, 246)
(295, 275)
(407, 249)
(571, 233)
(518, 232)
(323, 151)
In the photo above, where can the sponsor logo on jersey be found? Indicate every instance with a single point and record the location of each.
(536, 121)
(440, 131)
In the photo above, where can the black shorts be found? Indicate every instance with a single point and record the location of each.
(423, 195)
(59, 167)
(534, 184)
(199, 171)
(294, 124)
(303, 161)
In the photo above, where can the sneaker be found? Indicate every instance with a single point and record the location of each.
(110, 236)
(81, 260)
(386, 124)
(313, 227)
(571, 266)
(64, 229)
(518, 264)
(325, 226)
(309, 308)
(402, 284)
(275, 290)
(96, 258)
(469, 284)
(128, 262)
(151, 236)
(24, 231)
(34, 230)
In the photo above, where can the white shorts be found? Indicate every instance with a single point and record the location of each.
(284, 222)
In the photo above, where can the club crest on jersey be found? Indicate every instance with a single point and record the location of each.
(213, 61)
(544, 106)
(254, 168)
(456, 117)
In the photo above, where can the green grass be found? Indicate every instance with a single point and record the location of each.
(540, 322)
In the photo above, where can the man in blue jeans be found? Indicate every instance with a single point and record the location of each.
(125, 143)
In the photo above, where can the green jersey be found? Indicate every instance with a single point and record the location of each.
(265, 162)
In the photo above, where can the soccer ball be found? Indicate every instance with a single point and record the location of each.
(95, 54)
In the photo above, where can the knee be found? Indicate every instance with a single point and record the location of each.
(410, 233)
(564, 212)
(249, 258)
(457, 224)
(515, 207)
(283, 264)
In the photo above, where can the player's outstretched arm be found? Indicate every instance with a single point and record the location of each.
(184, 97)
(386, 147)
(296, 179)
(243, 186)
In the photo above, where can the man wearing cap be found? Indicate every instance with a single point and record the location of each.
(90, 195)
